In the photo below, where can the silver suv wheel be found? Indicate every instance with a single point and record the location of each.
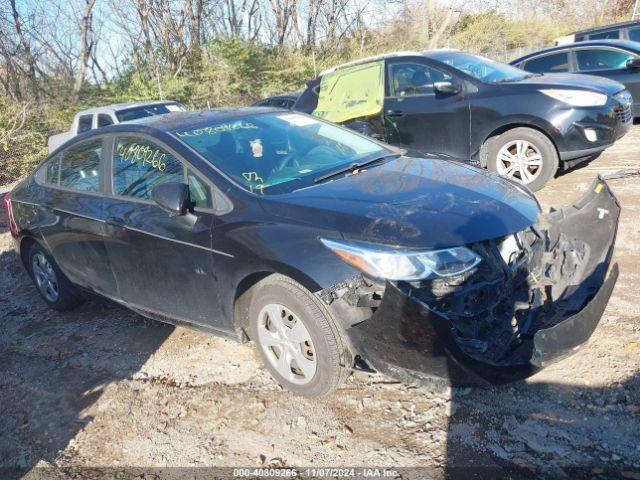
(521, 160)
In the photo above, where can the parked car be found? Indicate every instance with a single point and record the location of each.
(328, 249)
(614, 59)
(617, 31)
(110, 115)
(520, 125)
(285, 100)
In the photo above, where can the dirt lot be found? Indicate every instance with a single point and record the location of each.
(105, 387)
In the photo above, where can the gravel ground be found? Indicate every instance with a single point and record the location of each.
(104, 387)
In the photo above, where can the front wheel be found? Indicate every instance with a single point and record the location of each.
(523, 154)
(299, 341)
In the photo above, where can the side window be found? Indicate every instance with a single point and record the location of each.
(80, 166)
(601, 59)
(104, 120)
(283, 103)
(557, 62)
(139, 165)
(200, 191)
(634, 34)
(410, 79)
(611, 34)
(84, 123)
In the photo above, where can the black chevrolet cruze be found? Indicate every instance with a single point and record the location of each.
(329, 250)
(521, 125)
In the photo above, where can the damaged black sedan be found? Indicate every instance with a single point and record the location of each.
(329, 250)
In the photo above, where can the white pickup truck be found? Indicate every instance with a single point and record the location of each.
(112, 114)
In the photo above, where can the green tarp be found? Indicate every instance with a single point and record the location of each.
(351, 92)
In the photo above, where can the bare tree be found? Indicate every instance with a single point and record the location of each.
(284, 12)
(86, 46)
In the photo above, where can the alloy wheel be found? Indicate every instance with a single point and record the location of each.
(287, 343)
(521, 160)
(45, 277)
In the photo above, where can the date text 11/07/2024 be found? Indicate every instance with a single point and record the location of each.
(363, 472)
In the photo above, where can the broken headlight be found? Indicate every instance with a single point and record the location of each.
(397, 264)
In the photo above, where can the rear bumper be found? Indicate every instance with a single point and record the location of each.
(408, 338)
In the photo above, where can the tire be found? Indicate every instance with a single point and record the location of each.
(45, 273)
(535, 145)
(280, 297)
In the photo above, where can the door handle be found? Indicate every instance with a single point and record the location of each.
(394, 113)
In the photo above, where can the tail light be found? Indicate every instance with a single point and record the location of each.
(12, 223)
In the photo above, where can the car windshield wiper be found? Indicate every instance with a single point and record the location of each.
(353, 166)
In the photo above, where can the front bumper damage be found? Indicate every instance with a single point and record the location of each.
(537, 296)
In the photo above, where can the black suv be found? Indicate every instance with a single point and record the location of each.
(521, 125)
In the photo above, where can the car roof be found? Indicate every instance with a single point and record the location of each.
(612, 26)
(166, 123)
(282, 95)
(624, 44)
(116, 107)
(384, 56)
(171, 121)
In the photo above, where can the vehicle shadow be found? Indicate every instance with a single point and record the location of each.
(544, 428)
(578, 166)
(54, 366)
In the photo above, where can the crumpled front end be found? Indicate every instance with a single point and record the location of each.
(537, 295)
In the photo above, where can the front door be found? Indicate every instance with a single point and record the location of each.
(163, 264)
(417, 117)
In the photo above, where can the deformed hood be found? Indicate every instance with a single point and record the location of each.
(412, 202)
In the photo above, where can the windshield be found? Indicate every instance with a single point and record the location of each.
(278, 152)
(147, 111)
(483, 69)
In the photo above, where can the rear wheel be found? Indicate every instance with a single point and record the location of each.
(523, 154)
(51, 283)
(299, 341)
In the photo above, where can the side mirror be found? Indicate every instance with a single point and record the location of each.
(172, 197)
(633, 64)
(446, 87)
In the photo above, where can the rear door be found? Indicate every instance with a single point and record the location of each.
(610, 63)
(74, 231)
(416, 117)
(162, 263)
